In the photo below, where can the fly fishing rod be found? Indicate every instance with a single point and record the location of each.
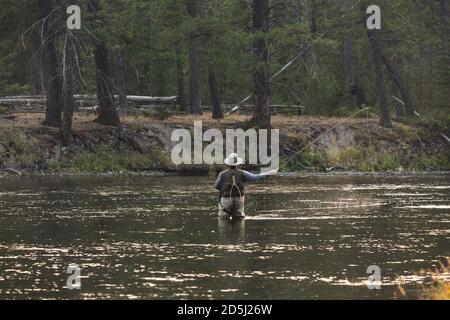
(298, 56)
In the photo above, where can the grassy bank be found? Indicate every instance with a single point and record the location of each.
(143, 144)
(435, 284)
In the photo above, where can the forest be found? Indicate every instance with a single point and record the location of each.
(228, 56)
(206, 52)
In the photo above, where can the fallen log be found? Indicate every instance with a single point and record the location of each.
(22, 100)
(87, 97)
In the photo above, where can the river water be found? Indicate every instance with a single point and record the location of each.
(306, 237)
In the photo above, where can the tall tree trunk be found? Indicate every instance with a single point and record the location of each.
(107, 114)
(216, 103)
(349, 75)
(68, 72)
(52, 77)
(313, 16)
(38, 64)
(385, 119)
(445, 13)
(194, 86)
(180, 78)
(107, 111)
(120, 80)
(444, 63)
(261, 86)
(358, 92)
(353, 89)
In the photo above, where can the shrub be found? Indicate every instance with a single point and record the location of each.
(14, 141)
(387, 161)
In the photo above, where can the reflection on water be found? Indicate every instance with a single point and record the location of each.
(231, 230)
(150, 238)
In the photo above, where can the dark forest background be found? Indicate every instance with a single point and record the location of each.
(208, 52)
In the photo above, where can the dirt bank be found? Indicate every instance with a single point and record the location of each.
(143, 144)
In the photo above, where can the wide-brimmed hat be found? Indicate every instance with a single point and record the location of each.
(233, 160)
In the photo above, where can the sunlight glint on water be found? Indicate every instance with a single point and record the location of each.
(149, 238)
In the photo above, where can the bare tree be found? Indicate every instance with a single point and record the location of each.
(68, 72)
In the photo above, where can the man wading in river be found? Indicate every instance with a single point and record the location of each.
(230, 184)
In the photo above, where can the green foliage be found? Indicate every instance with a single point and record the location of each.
(159, 113)
(13, 141)
(387, 161)
(105, 158)
(102, 159)
(2, 152)
(439, 161)
(3, 110)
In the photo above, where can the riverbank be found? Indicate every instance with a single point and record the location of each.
(142, 145)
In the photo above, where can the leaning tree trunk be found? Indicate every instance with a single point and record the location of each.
(68, 72)
(385, 119)
(261, 79)
(180, 78)
(216, 103)
(194, 86)
(120, 80)
(394, 73)
(52, 77)
(396, 76)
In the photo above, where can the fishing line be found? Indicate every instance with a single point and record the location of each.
(370, 145)
(324, 134)
(320, 137)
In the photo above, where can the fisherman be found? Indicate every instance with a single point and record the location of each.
(230, 184)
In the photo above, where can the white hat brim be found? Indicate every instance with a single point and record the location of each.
(229, 162)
